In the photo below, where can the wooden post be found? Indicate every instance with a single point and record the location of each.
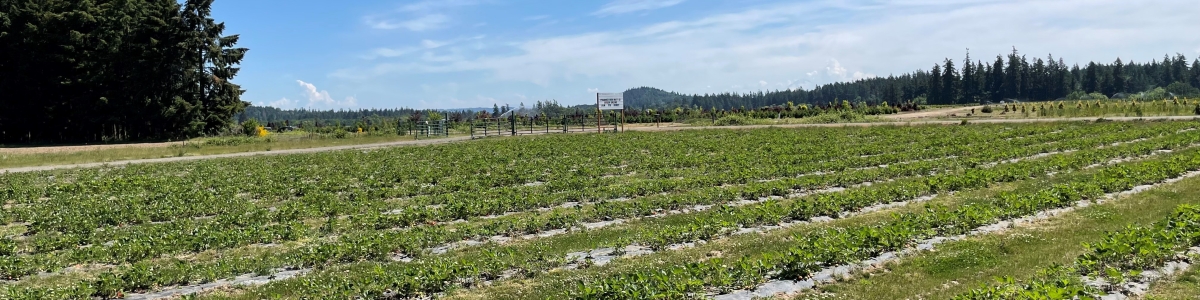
(598, 113)
(622, 119)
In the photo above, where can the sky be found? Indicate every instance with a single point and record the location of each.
(430, 54)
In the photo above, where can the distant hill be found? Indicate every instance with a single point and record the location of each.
(648, 97)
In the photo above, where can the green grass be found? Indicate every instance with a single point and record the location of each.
(956, 267)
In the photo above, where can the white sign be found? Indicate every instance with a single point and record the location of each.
(610, 101)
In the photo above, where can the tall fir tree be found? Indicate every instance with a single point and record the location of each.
(996, 80)
(1091, 81)
(1118, 76)
(969, 83)
(950, 83)
(935, 85)
(1013, 78)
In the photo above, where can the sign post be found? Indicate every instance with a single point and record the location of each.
(610, 101)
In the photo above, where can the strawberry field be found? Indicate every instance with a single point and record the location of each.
(726, 214)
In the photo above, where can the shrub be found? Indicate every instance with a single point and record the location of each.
(250, 127)
(1197, 111)
(340, 133)
(986, 109)
(733, 120)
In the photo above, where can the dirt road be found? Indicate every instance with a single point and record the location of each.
(62, 149)
(631, 128)
(933, 113)
(240, 154)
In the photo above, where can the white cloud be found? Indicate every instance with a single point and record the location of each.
(430, 5)
(284, 103)
(430, 44)
(422, 23)
(627, 6)
(321, 99)
(814, 42)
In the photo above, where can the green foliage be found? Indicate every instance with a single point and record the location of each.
(379, 204)
(733, 120)
(434, 116)
(250, 127)
(231, 140)
(115, 70)
(340, 133)
(1182, 89)
(987, 109)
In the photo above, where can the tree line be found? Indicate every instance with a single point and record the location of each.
(115, 70)
(1011, 77)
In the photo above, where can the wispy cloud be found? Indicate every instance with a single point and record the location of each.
(627, 6)
(430, 5)
(793, 45)
(419, 16)
(422, 23)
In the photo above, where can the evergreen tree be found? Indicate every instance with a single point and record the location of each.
(114, 70)
(1118, 75)
(969, 85)
(1091, 81)
(935, 85)
(1013, 78)
(996, 80)
(950, 83)
(1195, 77)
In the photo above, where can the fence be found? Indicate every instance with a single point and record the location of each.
(521, 125)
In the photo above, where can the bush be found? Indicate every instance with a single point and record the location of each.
(250, 127)
(1197, 111)
(987, 109)
(340, 133)
(1182, 89)
(733, 120)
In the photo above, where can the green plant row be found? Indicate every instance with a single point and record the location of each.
(119, 198)
(196, 240)
(813, 252)
(319, 255)
(59, 241)
(408, 279)
(1119, 255)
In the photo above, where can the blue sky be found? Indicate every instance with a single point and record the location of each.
(472, 53)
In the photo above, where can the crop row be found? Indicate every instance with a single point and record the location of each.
(436, 274)
(197, 228)
(350, 246)
(1120, 255)
(832, 247)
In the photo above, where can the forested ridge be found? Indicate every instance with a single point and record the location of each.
(1014, 76)
(115, 70)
